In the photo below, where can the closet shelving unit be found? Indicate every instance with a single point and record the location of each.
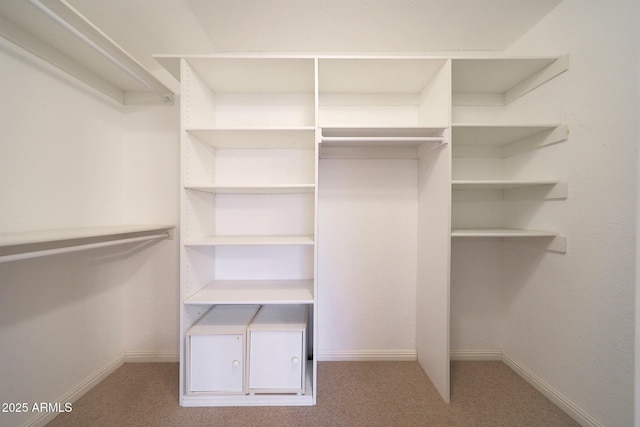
(248, 224)
(254, 129)
(493, 83)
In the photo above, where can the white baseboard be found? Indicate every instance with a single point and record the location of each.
(78, 391)
(367, 355)
(150, 357)
(573, 410)
(476, 355)
(538, 383)
(551, 393)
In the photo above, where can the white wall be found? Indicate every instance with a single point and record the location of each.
(152, 166)
(68, 158)
(570, 318)
(367, 258)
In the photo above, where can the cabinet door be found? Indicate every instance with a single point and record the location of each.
(275, 361)
(216, 363)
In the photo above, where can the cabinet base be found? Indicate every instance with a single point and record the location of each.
(249, 400)
(274, 399)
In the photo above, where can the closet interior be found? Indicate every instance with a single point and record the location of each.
(311, 181)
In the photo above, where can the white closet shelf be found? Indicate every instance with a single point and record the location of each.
(547, 240)
(257, 74)
(503, 140)
(253, 241)
(254, 189)
(250, 137)
(496, 134)
(499, 184)
(499, 81)
(379, 142)
(44, 242)
(59, 34)
(501, 232)
(512, 190)
(255, 292)
(376, 75)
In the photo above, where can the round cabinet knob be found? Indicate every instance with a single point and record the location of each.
(295, 360)
(235, 364)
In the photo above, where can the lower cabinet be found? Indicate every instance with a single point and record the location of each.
(216, 350)
(248, 349)
(277, 350)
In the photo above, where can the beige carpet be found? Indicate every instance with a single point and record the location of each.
(349, 394)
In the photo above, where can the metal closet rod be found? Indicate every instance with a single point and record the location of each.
(36, 254)
(51, 14)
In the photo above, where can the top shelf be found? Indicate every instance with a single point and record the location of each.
(475, 80)
(500, 81)
(376, 75)
(59, 34)
(256, 75)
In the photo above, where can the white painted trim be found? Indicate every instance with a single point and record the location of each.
(476, 355)
(248, 400)
(78, 391)
(538, 383)
(573, 410)
(151, 357)
(367, 355)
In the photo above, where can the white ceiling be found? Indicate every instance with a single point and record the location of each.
(147, 27)
(144, 27)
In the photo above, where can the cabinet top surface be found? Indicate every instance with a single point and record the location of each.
(280, 317)
(225, 319)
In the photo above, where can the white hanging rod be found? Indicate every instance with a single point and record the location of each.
(35, 254)
(51, 14)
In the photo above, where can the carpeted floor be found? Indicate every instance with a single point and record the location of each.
(349, 394)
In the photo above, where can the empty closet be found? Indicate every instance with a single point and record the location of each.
(325, 184)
